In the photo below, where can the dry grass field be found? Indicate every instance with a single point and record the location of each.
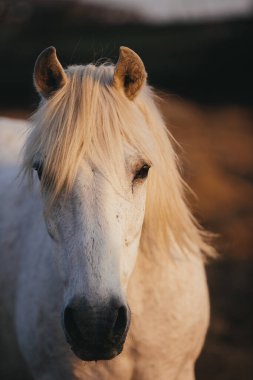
(217, 153)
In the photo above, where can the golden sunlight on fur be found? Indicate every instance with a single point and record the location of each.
(87, 117)
(103, 254)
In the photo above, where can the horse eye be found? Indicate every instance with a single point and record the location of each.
(142, 172)
(38, 166)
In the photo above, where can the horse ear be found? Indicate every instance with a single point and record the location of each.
(49, 75)
(130, 73)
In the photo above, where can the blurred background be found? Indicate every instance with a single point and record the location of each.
(198, 54)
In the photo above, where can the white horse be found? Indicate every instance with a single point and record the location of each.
(104, 230)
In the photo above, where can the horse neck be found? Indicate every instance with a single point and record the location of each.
(162, 273)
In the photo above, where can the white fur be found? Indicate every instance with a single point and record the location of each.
(94, 249)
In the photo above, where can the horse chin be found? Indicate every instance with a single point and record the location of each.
(98, 354)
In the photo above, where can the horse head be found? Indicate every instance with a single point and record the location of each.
(94, 184)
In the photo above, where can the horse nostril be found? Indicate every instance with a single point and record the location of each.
(121, 322)
(70, 326)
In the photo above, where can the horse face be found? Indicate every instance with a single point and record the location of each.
(96, 229)
(96, 232)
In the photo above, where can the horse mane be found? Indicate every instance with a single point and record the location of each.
(88, 117)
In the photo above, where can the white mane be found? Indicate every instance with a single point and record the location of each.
(90, 117)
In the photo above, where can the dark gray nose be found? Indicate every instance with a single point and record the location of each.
(96, 333)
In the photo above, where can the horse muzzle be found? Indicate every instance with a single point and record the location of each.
(96, 333)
